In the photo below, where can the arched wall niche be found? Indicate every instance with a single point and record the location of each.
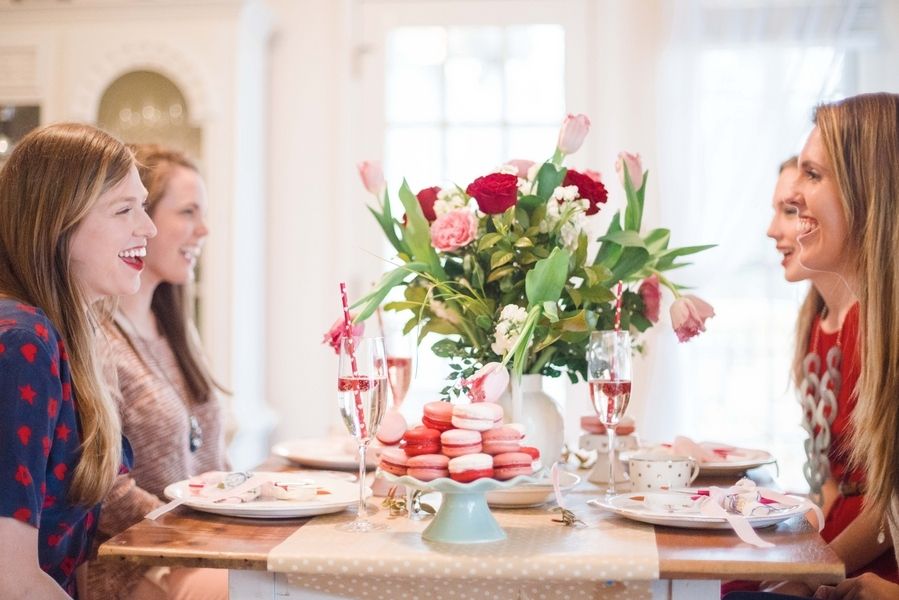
(148, 107)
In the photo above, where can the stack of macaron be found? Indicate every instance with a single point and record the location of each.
(592, 424)
(464, 442)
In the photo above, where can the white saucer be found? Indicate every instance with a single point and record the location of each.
(325, 453)
(529, 495)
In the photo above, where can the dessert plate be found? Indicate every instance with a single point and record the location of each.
(529, 495)
(678, 509)
(325, 453)
(340, 495)
(733, 459)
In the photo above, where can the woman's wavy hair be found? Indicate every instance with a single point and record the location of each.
(49, 183)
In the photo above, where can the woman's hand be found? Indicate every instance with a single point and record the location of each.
(866, 586)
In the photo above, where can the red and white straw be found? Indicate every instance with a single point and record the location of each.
(350, 346)
(618, 307)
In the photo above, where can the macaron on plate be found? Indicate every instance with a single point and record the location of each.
(530, 495)
(463, 516)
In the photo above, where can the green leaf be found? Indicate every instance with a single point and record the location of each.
(389, 281)
(521, 215)
(418, 234)
(666, 259)
(597, 273)
(640, 322)
(484, 322)
(633, 212)
(628, 239)
(445, 348)
(657, 240)
(500, 273)
(609, 252)
(551, 310)
(489, 240)
(523, 242)
(500, 258)
(576, 322)
(544, 283)
(631, 261)
(548, 179)
(597, 294)
(530, 203)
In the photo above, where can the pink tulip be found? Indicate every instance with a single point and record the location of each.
(334, 335)
(488, 383)
(594, 175)
(574, 130)
(372, 176)
(634, 168)
(688, 316)
(522, 165)
(652, 298)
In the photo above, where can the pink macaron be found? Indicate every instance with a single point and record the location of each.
(427, 467)
(512, 464)
(421, 440)
(459, 442)
(438, 415)
(478, 416)
(471, 467)
(392, 428)
(501, 439)
(393, 460)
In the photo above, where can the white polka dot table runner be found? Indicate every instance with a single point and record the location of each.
(608, 559)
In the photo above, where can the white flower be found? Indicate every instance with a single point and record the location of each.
(508, 329)
(508, 169)
(448, 200)
(567, 193)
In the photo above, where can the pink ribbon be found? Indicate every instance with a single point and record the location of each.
(557, 488)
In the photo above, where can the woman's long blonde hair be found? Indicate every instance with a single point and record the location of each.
(861, 138)
(51, 180)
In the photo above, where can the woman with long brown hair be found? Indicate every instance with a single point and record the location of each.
(73, 231)
(167, 398)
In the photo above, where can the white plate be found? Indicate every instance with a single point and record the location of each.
(684, 511)
(529, 495)
(325, 453)
(737, 460)
(342, 495)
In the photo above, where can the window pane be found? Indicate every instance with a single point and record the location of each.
(532, 142)
(472, 152)
(416, 154)
(474, 75)
(414, 85)
(535, 74)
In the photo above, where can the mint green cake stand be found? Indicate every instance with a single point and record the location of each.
(463, 516)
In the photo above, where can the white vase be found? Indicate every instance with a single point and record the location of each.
(528, 404)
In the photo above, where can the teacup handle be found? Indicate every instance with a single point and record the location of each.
(695, 472)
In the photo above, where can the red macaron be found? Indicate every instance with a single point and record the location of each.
(512, 464)
(470, 467)
(421, 440)
(427, 467)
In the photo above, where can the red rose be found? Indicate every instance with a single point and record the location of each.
(590, 189)
(494, 193)
(426, 198)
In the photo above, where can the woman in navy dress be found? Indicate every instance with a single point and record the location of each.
(72, 232)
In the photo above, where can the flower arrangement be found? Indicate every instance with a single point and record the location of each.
(503, 268)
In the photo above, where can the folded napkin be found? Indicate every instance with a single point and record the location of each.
(683, 445)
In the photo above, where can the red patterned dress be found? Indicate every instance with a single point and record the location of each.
(39, 441)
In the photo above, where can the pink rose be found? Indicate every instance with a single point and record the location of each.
(494, 193)
(426, 199)
(522, 165)
(688, 316)
(372, 176)
(335, 334)
(594, 175)
(574, 130)
(453, 230)
(634, 168)
(652, 298)
(488, 383)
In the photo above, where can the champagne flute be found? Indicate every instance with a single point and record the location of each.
(362, 399)
(609, 378)
(399, 365)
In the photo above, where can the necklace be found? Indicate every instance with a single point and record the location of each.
(195, 433)
(818, 396)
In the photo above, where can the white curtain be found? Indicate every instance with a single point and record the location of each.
(737, 88)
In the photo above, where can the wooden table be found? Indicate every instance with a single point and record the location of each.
(692, 562)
